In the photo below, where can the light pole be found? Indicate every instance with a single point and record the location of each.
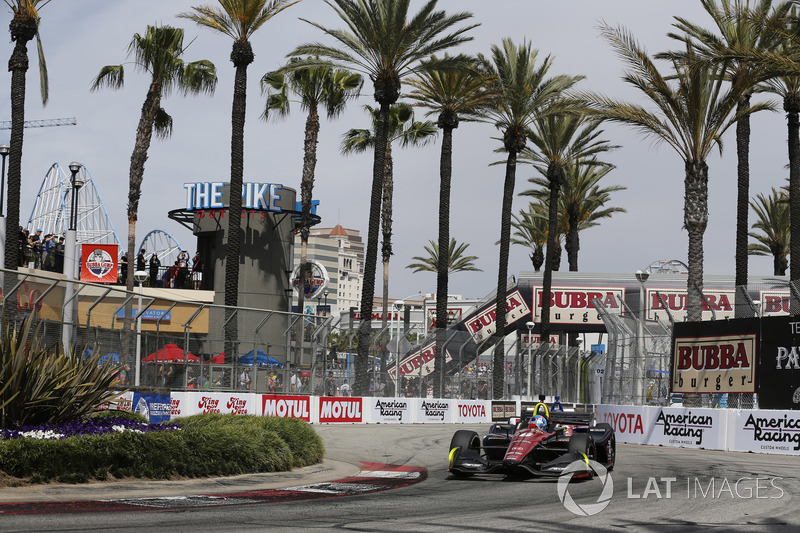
(139, 276)
(639, 367)
(325, 294)
(70, 254)
(398, 304)
(4, 148)
(530, 359)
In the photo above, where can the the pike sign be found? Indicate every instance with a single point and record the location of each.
(258, 196)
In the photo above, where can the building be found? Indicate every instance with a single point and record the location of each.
(341, 252)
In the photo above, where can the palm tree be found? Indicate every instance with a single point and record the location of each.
(239, 20)
(531, 230)
(455, 260)
(382, 42)
(24, 27)
(158, 52)
(774, 222)
(315, 87)
(691, 115)
(454, 95)
(521, 93)
(581, 202)
(744, 30)
(403, 128)
(562, 141)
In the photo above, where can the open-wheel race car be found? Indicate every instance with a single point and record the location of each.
(541, 443)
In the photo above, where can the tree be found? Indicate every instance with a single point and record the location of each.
(521, 92)
(455, 260)
(530, 230)
(403, 128)
(692, 111)
(383, 43)
(239, 20)
(315, 87)
(453, 95)
(773, 219)
(744, 30)
(157, 52)
(562, 141)
(24, 27)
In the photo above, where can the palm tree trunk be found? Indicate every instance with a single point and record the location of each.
(498, 361)
(573, 245)
(306, 194)
(791, 104)
(445, 177)
(742, 307)
(386, 223)
(695, 218)
(241, 56)
(555, 175)
(371, 255)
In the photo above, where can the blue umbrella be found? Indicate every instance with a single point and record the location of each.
(262, 359)
(113, 356)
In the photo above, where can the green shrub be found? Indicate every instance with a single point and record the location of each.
(138, 417)
(207, 445)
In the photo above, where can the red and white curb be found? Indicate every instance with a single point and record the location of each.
(374, 477)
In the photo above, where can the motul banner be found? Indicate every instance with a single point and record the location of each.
(286, 406)
(337, 410)
(99, 263)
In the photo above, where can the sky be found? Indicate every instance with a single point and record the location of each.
(81, 36)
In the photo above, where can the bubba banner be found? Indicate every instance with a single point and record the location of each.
(779, 363)
(715, 357)
(99, 263)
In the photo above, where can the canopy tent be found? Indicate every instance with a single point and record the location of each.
(113, 356)
(262, 359)
(217, 359)
(171, 353)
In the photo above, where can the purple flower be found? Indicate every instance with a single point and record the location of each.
(83, 428)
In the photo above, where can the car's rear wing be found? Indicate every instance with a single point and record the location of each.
(572, 418)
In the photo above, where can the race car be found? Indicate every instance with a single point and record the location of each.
(541, 444)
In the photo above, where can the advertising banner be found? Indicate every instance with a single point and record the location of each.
(340, 410)
(453, 317)
(123, 403)
(178, 403)
(721, 301)
(154, 407)
(686, 428)
(503, 410)
(715, 357)
(779, 363)
(388, 410)
(219, 402)
(284, 406)
(764, 432)
(468, 411)
(573, 305)
(99, 263)
(419, 363)
(483, 325)
(428, 411)
(628, 421)
(774, 302)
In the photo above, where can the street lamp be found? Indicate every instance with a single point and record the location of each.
(642, 276)
(325, 294)
(398, 304)
(4, 148)
(70, 254)
(530, 360)
(139, 276)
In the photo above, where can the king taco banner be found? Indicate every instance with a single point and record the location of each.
(99, 263)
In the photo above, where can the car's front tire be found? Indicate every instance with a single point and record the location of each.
(463, 440)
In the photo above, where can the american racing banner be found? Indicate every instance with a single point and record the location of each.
(715, 357)
(99, 263)
(573, 305)
(686, 428)
(388, 410)
(779, 363)
(764, 432)
(430, 410)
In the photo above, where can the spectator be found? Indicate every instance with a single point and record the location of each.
(141, 263)
(36, 247)
(344, 390)
(155, 264)
(123, 269)
(294, 382)
(197, 271)
(330, 385)
(483, 390)
(169, 375)
(244, 379)
(59, 264)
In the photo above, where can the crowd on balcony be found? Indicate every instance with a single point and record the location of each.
(43, 252)
(183, 274)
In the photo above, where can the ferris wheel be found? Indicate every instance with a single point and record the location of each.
(164, 245)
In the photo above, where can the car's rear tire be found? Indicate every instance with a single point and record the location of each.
(583, 443)
(612, 447)
(463, 440)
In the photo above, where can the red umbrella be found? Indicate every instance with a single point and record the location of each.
(171, 353)
(217, 359)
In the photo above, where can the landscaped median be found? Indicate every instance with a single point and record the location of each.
(195, 446)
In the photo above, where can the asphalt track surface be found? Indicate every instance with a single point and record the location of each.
(654, 489)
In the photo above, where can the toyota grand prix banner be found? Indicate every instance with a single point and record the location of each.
(99, 263)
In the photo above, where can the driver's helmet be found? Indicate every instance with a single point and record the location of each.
(539, 421)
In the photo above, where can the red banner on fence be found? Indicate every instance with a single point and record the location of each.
(99, 263)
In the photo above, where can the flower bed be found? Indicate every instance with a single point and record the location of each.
(85, 428)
